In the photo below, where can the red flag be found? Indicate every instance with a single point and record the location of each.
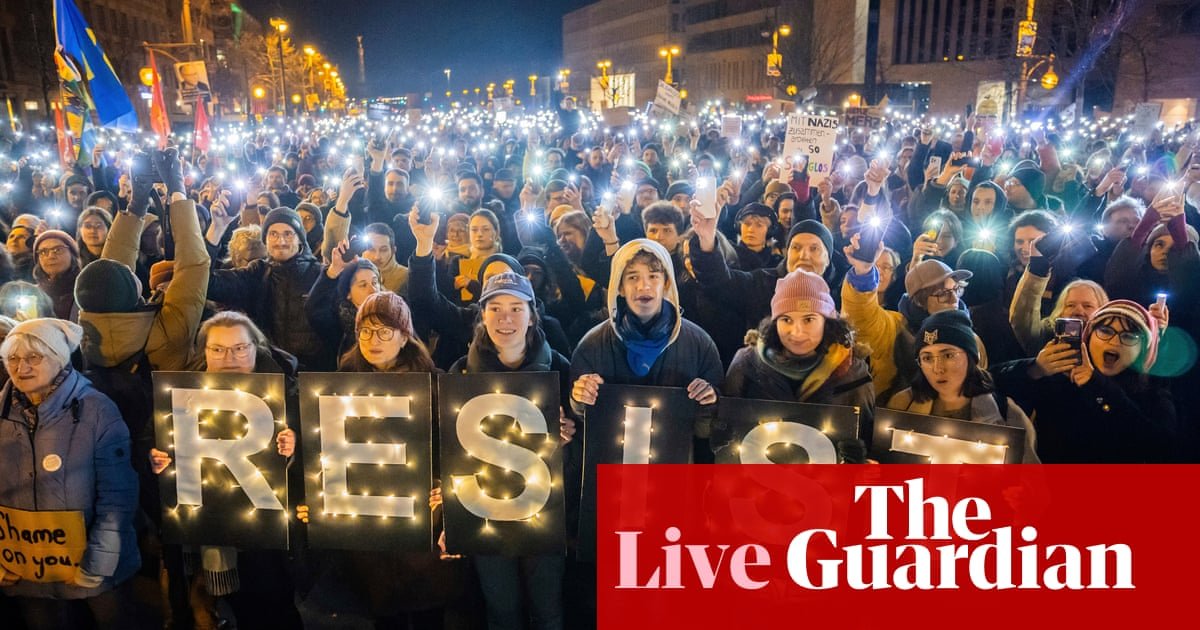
(158, 107)
(202, 135)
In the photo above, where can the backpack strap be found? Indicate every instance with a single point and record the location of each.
(852, 385)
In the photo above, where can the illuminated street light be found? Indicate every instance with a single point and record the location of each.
(669, 53)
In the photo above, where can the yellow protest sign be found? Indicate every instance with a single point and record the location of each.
(42, 546)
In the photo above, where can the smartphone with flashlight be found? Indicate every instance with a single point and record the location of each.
(625, 195)
(936, 162)
(357, 246)
(870, 237)
(706, 194)
(26, 308)
(1160, 300)
(1069, 330)
(428, 205)
(143, 171)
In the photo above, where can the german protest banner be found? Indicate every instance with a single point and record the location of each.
(815, 137)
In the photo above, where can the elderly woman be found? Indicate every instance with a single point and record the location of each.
(65, 447)
(56, 266)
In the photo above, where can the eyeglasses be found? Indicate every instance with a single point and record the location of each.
(286, 237)
(947, 357)
(32, 360)
(384, 334)
(240, 351)
(51, 252)
(945, 294)
(1128, 338)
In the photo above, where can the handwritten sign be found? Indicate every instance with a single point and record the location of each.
(731, 126)
(667, 98)
(813, 136)
(1145, 119)
(42, 546)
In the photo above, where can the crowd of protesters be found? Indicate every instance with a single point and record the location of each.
(1044, 277)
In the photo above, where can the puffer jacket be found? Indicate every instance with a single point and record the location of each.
(273, 295)
(166, 327)
(83, 427)
(841, 378)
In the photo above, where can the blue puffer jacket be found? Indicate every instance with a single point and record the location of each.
(82, 427)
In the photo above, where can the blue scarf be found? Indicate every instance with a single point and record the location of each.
(644, 342)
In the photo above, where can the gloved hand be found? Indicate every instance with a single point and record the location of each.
(87, 580)
(139, 200)
(166, 162)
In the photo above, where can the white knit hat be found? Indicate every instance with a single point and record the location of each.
(60, 335)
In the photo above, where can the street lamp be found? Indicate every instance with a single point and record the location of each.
(774, 59)
(447, 73)
(1026, 40)
(669, 52)
(281, 27)
(604, 66)
(533, 84)
(260, 93)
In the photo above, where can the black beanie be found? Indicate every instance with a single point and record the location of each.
(1033, 179)
(950, 327)
(288, 217)
(107, 286)
(809, 226)
(500, 258)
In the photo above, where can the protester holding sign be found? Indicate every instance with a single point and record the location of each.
(65, 447)
(509, 339)
(804, 352)
(952, 385)
(257, 584)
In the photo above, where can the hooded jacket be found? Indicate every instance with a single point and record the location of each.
(689, 354)
(84, 428)
(989, 312)
(166, 327)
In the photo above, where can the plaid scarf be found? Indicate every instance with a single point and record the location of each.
(29, 410)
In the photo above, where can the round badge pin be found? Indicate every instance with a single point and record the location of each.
(51, 462)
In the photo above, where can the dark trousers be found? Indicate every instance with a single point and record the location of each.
(510, 583)
(109, 610)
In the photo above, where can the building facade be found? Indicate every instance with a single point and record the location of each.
(723, 45)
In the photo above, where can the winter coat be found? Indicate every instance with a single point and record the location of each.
(167, 326)
(83, 428)
(690, 353)
(1107, 421)
(839, 379)
(331, 316)
(273, 295)
(61, 290)
(983, 410)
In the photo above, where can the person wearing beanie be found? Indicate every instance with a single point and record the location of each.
(773, 190)
(679, 193)
(951, 383)
(56, 265)
(507, 338)
(755, 250)
(75, 191)
(105, 200)
(90, 233)
(62, 433)
(6, 325)
(333, 302)
(986, 215)
(1099, 404)
(272, 291)
(1025, 188)
(809, 246)
(804, 352)
(314, 225)
(504, 190)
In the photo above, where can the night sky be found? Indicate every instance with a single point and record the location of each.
(408, 43)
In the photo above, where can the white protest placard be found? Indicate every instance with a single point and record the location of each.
(812, 136)
(503, 103)
(667, 98)
(731, 126)
(1145, 117)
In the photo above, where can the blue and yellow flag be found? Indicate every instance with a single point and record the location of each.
(79, 59)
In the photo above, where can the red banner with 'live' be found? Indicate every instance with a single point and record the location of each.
(895, 546)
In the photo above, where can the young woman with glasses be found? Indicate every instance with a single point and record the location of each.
(1096, 402)
(950, 383)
